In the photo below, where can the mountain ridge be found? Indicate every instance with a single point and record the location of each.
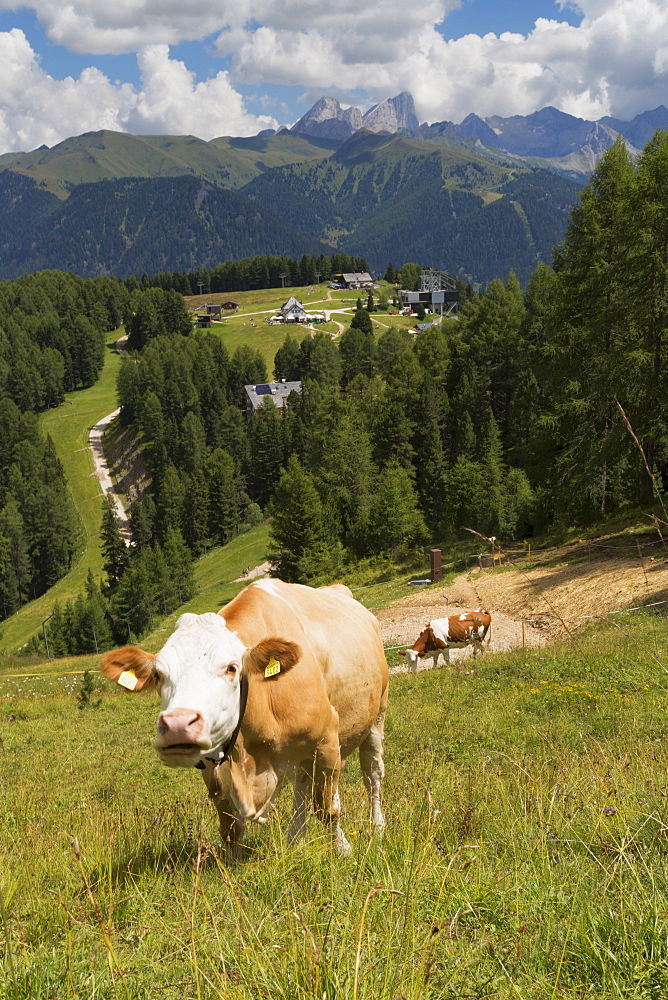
(560, 140)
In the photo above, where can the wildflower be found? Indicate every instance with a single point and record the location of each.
(609, 811)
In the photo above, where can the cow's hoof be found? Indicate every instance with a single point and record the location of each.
(342, 848)
(378, 828)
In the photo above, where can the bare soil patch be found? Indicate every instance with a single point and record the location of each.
(401, 623)
(526, 604)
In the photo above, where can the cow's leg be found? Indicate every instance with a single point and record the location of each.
(446, 655)
(231, 825)
(302, 799)
(326, 771)
(434, 659)
(373, 769)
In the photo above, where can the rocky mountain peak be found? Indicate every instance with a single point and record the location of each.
(394, 115)
(329, 120)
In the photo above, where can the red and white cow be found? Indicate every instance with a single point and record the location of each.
(285, 681)
(470, 628)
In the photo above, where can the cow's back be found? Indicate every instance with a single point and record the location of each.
(339, 638)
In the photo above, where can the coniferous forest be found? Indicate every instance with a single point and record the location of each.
(512, 420)
(52, 334)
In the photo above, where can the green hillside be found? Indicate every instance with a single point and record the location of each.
(132, 226)
(527, 861)
(106, 155)
(122, 204)
(387, 197)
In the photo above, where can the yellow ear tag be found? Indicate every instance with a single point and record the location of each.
(128, 679)
(272, 668)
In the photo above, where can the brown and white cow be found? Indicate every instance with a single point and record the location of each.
(441, 635)
(309, 665)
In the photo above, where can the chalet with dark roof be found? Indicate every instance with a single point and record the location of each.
(256, 395)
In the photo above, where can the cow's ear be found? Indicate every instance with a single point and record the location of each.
(271, 657)
(130, 667)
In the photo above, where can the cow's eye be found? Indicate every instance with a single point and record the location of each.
(231, 668)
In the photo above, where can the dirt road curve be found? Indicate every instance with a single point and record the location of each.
(402, 622)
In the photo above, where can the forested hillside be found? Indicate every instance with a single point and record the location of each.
(129, 227)
(111, 204)
(388, 197)
(506, 421)
(52, 332)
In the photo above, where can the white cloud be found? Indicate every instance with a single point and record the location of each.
(35, 109)
(615, 61)
(170, 101)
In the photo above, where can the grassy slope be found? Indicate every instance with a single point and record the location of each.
(68, 425)
(524, 855)
(108, 155)
(235, 329)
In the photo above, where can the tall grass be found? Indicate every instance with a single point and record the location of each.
(525, 854)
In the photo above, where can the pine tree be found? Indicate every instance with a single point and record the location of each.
(114, 550)
(224, 505)
(593, 354)
(179, 561)
(358, 350)
(396, 522)
(196, 513)
(299, 552)
(169, 499)
(12, 529)
(287, 362)
(344, 478)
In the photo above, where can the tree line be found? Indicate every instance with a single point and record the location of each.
(251, 273)
(139, 584)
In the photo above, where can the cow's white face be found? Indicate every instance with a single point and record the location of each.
(197, 673)
(412, 659)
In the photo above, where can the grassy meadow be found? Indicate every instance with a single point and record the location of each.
(524, 856)
(237, 329)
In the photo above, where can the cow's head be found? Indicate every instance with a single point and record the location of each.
(197, 673)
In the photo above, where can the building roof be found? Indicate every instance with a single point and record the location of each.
(358, 276)
(279, 392)
(292, 305)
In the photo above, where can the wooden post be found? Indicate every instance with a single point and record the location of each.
(435, 563)
(529, 556)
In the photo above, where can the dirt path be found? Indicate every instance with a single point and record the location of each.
(96, 444)
(254, 574)
(402, 622)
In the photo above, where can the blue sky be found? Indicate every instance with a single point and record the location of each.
(220, 68)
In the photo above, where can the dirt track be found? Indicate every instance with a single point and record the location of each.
(402, 622)
(578, 591)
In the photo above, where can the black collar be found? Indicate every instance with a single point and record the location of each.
(224, 752)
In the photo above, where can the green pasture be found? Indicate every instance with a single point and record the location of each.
(237, 331)
(265, 300)
(525, 854)
(69, 425)
(249, 326)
